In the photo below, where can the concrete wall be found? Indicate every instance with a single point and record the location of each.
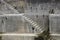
(54, 23)
(17, 38)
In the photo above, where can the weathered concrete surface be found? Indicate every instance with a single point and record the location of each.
(17, 4)
(18, 24)
(7, 9)
(17, 38)
(54, 23)
(13, 24)
(1, 24)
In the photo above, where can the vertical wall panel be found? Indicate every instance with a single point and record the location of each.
(54, 23)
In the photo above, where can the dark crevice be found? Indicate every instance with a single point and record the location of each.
(39, 38)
